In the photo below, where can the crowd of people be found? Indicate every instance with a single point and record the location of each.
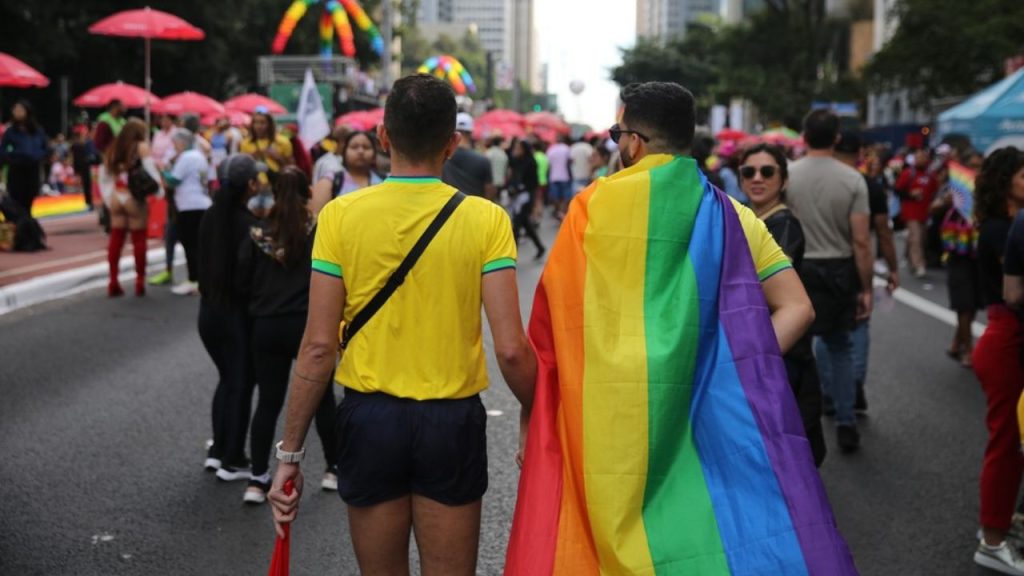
(286, 243)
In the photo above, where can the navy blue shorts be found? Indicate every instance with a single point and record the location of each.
(389, 447)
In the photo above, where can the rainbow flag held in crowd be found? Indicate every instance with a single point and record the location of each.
(664, 437)
(961, 183)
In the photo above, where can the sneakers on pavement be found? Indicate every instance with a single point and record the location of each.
(232, 473)
(848, 438)
(160, 279)
(1005, 558)
(212, 463)
(330, 481)
(256, 491)
(186, 289)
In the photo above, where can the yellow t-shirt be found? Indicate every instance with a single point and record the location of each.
(426, 341)
(769, 259)
(281, 145)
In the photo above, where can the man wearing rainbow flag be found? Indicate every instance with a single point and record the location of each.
(664, 438)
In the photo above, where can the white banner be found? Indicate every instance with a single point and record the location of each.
(313, 125)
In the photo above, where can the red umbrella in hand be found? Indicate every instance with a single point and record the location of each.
(149, 24)
(279, 562)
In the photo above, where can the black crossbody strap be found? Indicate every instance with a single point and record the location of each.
(398, 276)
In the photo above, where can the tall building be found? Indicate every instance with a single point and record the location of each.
(505, 28)
(663, 20)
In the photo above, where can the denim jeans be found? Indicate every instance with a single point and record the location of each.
(835, 356)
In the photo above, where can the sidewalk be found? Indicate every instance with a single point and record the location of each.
(75, 262)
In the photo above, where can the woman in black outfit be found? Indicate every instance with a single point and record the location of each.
(523, 182)
(23, 148)
(273, 269)
(223, 314)
(763, 174)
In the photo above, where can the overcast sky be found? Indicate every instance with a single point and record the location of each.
(580, 40)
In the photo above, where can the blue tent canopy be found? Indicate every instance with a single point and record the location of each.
(991, 117)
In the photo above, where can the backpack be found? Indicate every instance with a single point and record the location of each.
(29, 236)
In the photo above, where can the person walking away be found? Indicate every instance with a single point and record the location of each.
(581, 153)
(411, 429)
(559, 177)
(599, 161)
(109, 125)
(541, 157)
(831, 202)
(23, 150)
(763, 175)
(354, 169)
(330, 151)
(917, 187)
(468, 170)
(188, 177)
(999, 195)
(162, 146)
(959, 243)
(83, 158)
(273, 271)
(266, 145)
(523, 184)
(848, 151)
(662, 391)
(129, 151)
(498, 156)
(223, 314)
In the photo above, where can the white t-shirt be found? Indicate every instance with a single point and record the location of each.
(191, 171)
(581, 153)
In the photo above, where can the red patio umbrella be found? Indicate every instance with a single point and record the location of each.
(149, 24)
(188, 103)
(486, 129)
(130, 95)
(501, 116)
(547, 120)
(249, 103)
(235, 117)
(362, 119)
(731, 134)
(16, 74)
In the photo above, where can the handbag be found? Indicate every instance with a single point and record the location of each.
(141, 184)
(398, 276)
(959, 235)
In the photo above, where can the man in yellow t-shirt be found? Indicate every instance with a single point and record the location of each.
(411, 428)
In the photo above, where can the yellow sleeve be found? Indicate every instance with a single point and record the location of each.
(769, 259)
(327, 258)
(500, 251)
(284, 147)
(1020, 418)
(247, 147)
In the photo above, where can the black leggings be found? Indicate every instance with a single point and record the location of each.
(225, 334)
(187, 226)
(275, 343)
(523, 221)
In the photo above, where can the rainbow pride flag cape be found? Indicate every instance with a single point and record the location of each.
(664, 437)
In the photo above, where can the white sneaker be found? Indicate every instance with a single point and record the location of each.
(1005, 559)
(211, 464)
(330, 481)
(186, 289)
(256, 492)
(230, 474)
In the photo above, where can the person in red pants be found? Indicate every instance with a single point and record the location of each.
(999, 192)
(127, 215)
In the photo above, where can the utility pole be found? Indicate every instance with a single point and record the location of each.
(387, 31)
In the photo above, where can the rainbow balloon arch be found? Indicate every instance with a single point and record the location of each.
(334, 18)
(448, 68)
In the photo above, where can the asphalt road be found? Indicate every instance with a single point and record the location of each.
(105, 411)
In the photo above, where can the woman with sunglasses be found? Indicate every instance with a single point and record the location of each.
(763, 174)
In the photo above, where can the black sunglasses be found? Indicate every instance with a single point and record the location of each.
(615, 133)
(767, 172)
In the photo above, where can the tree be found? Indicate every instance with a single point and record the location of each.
(691, 62)
(948, 47)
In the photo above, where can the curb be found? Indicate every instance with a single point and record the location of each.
(62, 284)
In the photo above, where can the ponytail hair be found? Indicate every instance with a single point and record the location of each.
(288, 221)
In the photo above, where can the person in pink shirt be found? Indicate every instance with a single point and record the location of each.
(560, 179)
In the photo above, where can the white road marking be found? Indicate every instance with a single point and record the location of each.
(929, 308)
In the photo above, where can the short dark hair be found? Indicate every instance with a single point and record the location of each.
(420, 117)
(821, 127)
(662, 111)
(994, 182)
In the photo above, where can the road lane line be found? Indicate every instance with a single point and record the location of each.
(929, 308)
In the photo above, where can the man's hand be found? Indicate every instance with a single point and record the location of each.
(864, 300)
(893, 282)
(285, 507)
(524, 426)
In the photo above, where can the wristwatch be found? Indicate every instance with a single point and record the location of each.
(289, 457)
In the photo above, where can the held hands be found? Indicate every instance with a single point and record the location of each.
(524, 425)
(864, 303)
(285, 507)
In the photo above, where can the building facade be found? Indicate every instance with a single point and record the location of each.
(663, 20)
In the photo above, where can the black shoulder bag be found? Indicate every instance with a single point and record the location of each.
(398, 276)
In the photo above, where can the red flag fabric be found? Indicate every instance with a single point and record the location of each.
(279, 562)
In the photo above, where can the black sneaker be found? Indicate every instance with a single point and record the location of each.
(212, 462)
(232, 473)
(848, 438)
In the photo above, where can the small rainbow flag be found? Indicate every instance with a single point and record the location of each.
(961, 183)
(58, 205)
(664, 437)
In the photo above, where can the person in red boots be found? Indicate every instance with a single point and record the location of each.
(129, 150)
